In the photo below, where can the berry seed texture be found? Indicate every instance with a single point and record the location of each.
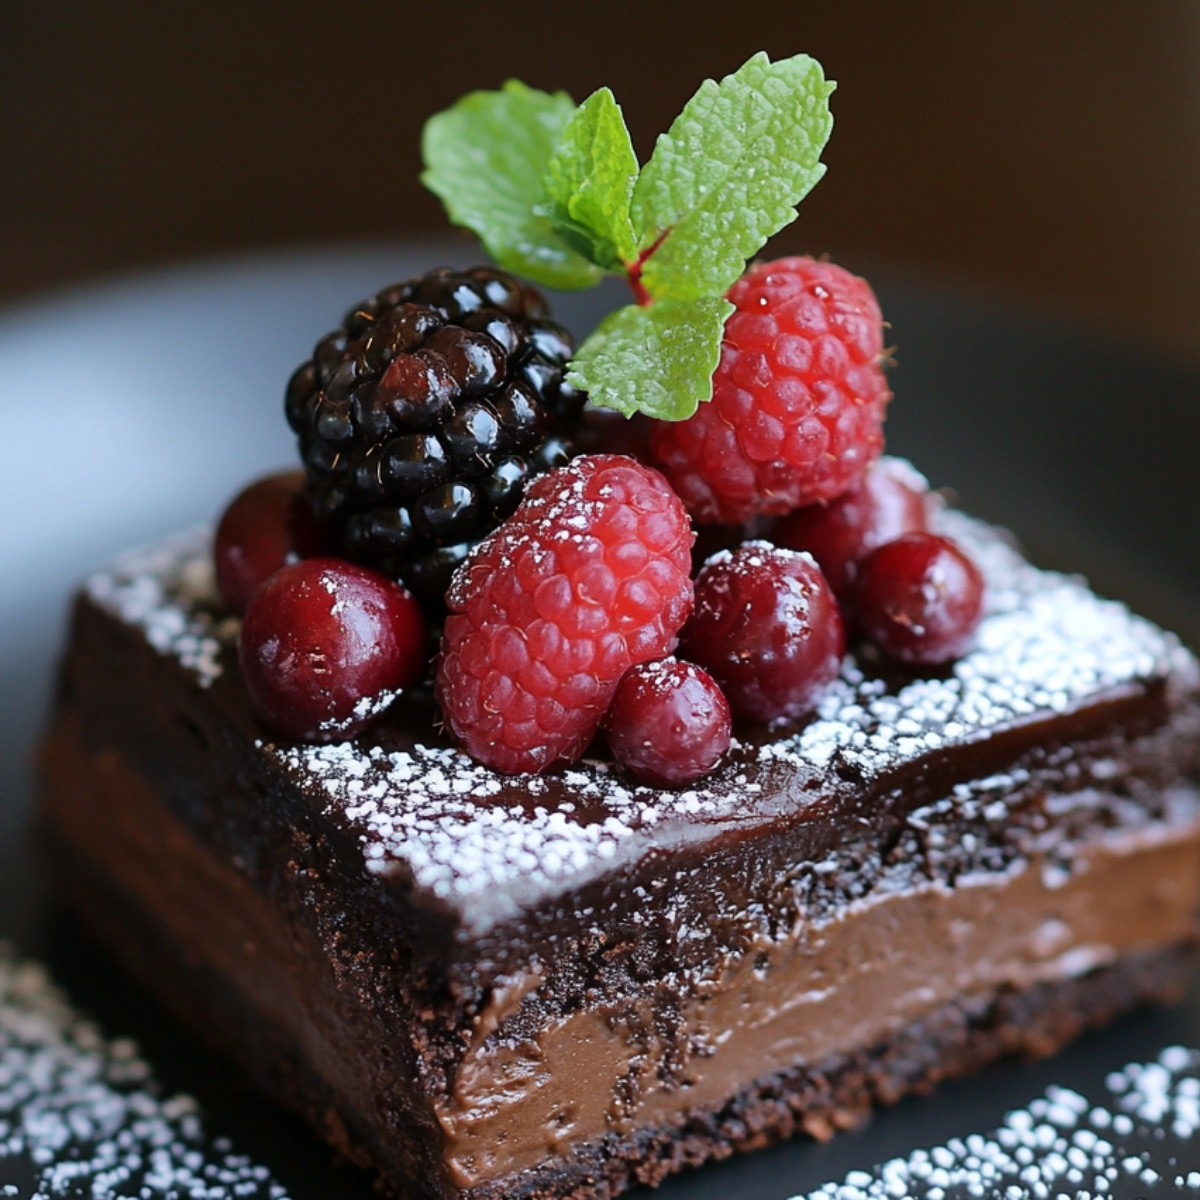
(423, 416)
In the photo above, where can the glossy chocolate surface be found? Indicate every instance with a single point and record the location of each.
(468, 851)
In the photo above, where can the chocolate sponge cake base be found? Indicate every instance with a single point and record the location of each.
(958, 1040)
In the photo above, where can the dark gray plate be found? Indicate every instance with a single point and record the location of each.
(132, 409)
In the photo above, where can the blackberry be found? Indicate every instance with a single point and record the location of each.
(424, 416)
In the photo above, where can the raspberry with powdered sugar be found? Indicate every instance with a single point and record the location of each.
(588, 577)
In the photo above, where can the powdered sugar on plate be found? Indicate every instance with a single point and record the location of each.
(1134, 1139)
(81, 1115)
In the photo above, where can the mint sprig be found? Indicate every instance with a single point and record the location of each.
(485, 159)
(657, 359)
(554, 192)
(588, 184)
(729, 173)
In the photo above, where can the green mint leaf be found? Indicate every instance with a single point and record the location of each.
(658, 360)
(485, 158)
(589, 183)
(730, 172)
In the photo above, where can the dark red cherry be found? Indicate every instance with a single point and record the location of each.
(766, 624)
(326, 646)
(920, 598)
(668, 723)
(266, 525)
(890, 502)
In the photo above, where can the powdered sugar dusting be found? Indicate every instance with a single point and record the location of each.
(489, 845)
(168, 590)
(441, 817)
(365, 710)
(80, 1115)
(1046, 643)
(1062, 1145)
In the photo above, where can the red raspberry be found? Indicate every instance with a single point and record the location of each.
(589, 576)
(798, 400)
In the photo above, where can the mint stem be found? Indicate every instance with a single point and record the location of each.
(633, 270)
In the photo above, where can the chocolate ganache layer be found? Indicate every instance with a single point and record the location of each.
(486, 986)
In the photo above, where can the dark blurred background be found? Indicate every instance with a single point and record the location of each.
(1047, 150)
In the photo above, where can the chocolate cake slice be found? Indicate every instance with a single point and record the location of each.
(563, 985)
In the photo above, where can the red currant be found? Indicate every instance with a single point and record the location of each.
(890, 502)
(920, 598)
(326, 646)
(266, 525)
(668, 723)
(767, 625)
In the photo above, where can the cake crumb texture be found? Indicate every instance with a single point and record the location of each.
(959, 1039)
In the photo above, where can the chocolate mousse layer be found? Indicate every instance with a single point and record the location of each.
(561, 986)
(826, 991)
